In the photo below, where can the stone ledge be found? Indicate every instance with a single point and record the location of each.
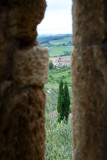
(30, 66)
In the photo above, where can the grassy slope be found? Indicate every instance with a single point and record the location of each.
(59, 50)
(56, 75)
(57, 136)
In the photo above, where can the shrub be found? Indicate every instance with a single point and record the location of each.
(58, 140)
(51, 66)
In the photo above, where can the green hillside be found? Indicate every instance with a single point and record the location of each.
(56, 143)
(59, 45)
(58, 135)
(56, 74)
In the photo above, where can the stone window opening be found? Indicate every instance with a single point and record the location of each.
(22, 96)
(53, 114)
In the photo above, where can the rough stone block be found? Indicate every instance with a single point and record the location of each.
(31, 66)
(89, 105)
(22, 124)
(88, 29)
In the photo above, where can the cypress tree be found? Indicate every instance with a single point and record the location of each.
(66, 102)
(63, 106)
(60, 101)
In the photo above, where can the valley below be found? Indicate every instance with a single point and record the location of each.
(58, 135)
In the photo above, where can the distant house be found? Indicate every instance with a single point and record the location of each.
(61, 61)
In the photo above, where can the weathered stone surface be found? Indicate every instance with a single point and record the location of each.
(89, 22)
(23, 72)
(22, 124)
(23, 18)
(22, 97)
(31, 66)
(5, 87)
(3, 63)
(3, 55)
(89, 80)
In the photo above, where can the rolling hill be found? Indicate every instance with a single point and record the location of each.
(59, 45)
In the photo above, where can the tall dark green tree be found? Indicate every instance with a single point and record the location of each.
(63, 106)
(60, 101)
(66, 102)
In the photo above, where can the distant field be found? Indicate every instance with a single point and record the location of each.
(58, 45)
(52, 85)
(56, 74)
(60, 50)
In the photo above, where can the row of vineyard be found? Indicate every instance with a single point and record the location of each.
(58, 136)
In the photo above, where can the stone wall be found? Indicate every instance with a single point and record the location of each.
(89, 80)
(23, 73)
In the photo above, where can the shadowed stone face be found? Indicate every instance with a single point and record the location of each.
(89, 80)
(23, 73)
(23, 18)
(18, 22)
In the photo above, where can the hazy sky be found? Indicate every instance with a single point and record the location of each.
(57, 18)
